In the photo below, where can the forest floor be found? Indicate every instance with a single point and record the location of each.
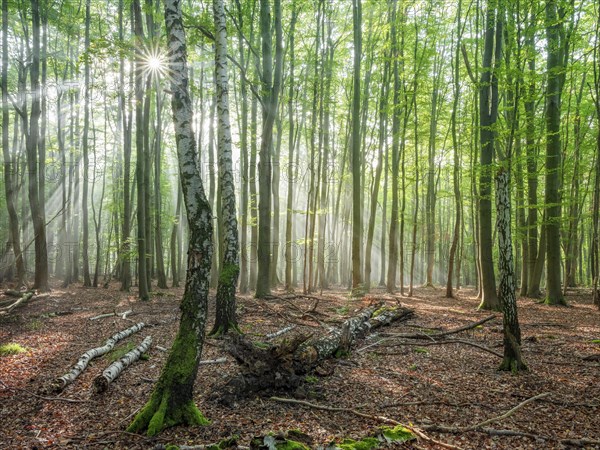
(451, 385)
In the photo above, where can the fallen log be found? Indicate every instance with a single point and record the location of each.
(102, 316)
(267, 366)
(60, 383)
(112, 372)
(25, 297)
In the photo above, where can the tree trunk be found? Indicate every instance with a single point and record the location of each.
(455, 173)
(513, 360)
(488, 111)
(555, 70)
(356, 151)
(289, 216)
(87, 281)
(271, 82)
(172, 402)
(140, 154)
(32, 140)
(9, 162)
(393, 238)
(230, 269)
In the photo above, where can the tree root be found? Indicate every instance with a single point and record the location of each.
(158, 415)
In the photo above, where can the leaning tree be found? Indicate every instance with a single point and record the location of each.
(171, 402)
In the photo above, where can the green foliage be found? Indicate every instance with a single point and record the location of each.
(12, 349)
(420, 350)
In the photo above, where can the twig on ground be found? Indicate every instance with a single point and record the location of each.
(53, 399)
(444, 333)
(449, 341)
(383, 419)
(213, 361)
(102, 316)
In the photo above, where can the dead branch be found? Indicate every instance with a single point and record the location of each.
(52, 399)
(377, 418)
(213, 361)
(102, 316)
(280, 332)
(442, 334)
(7, 309)
(479, 426)
(450, 341)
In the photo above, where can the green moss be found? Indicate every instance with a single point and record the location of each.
(119, 352)
(262, 345)
(384, 309)
(160, 412)
(367, 443)
(229, 274)
(12, 349)
(342, 310)
(396, 435)
(279, 442)
(595, 341)
(311, 379)
(420, 350)
(171, 447)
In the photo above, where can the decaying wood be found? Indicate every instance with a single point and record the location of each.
(280, 332)
(60, 383)
(112, 372)
(283, 366)
(24, 297)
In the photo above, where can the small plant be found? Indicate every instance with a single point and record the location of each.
(311, 379)
(412, 367)
(342, 310)
(595, 341)
(11, 349)
(35, 324)
(420, 350)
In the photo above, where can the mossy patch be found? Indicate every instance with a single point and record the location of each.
(12, 348)
(367, 443)
(262, 345)
(595, 341)
(420, 350)
(270, 442)
(396, 435)
(119, 352)
(229, 274)
(383, 310)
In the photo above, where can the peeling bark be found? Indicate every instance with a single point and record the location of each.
(112, 372)
(172, 402)
(84, 360)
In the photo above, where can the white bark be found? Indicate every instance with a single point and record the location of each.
(84, 359)
(112, 372)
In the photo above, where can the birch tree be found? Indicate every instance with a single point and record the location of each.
(172, 401)
(225, 313)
